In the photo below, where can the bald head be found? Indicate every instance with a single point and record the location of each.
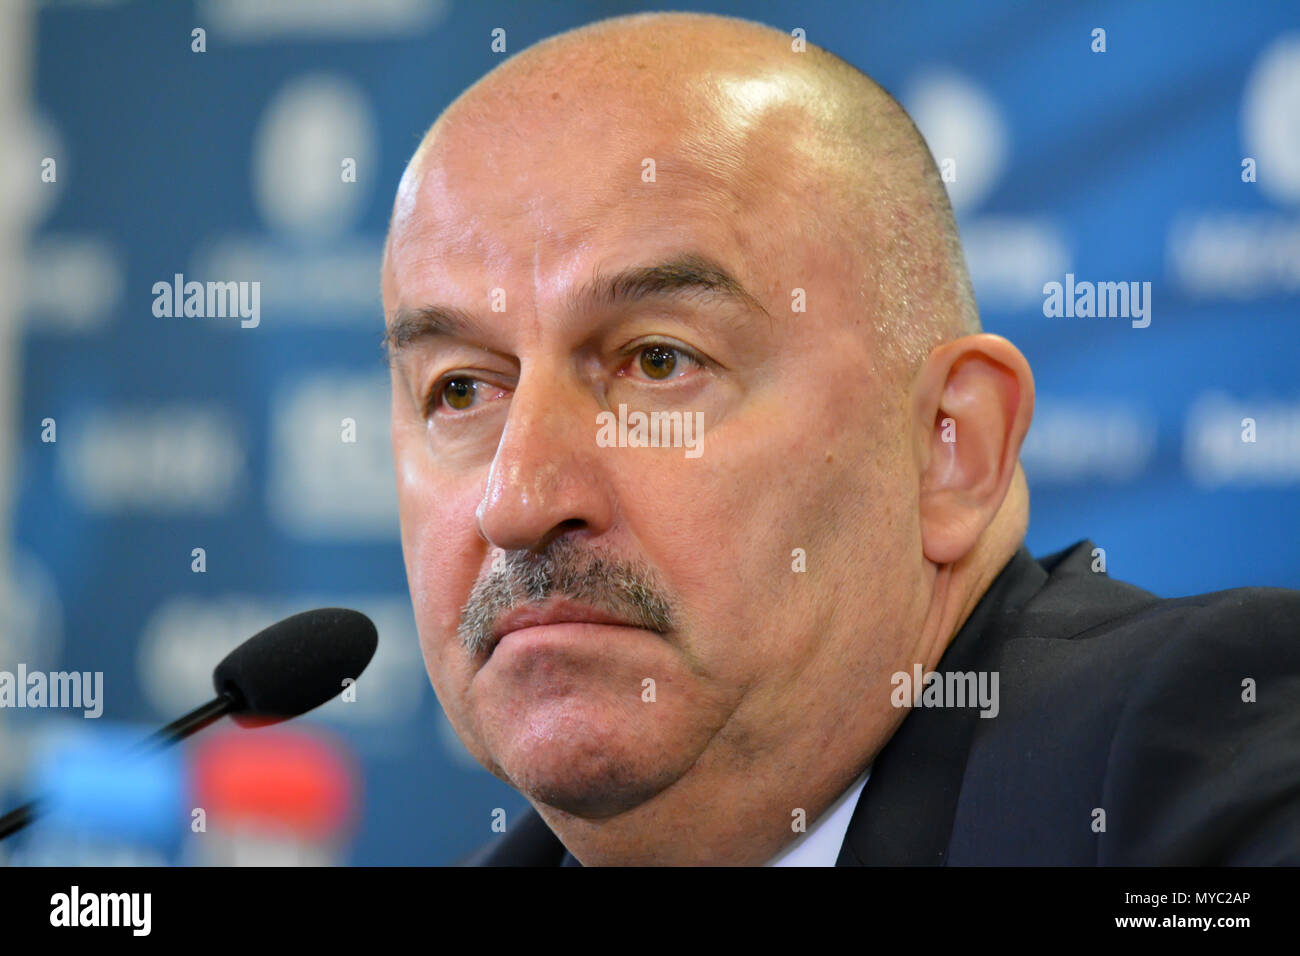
(786, 118)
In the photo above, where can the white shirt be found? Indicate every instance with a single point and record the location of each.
(820, 846)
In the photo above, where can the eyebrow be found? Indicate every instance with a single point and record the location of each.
(428, 322)
(683, 276)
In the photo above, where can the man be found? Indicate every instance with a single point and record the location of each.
(704, 466)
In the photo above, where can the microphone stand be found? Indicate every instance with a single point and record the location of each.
(176, 731)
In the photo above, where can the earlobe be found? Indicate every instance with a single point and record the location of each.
(972, 401)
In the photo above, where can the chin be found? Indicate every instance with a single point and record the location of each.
(588, 766)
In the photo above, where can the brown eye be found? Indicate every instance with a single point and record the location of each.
(658, 361)
(459, 393)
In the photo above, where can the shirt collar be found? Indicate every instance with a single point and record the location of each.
(820, 845)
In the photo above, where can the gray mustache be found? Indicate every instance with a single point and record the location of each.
(627, 590)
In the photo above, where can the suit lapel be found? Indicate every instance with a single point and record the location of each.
(904, 816)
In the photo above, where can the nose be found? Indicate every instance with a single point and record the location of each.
(548, 477)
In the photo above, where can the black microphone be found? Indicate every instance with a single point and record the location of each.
(280, 672)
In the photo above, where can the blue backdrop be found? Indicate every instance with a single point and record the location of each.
(1172, 157)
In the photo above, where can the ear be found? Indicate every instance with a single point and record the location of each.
(972, 402)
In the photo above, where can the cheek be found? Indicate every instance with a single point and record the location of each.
(721, 529)
(764, 534)
(443, 554)
(441, 548)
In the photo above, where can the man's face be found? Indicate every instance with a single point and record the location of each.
(764, 573)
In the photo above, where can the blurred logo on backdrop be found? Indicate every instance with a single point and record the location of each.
(278, 796)
(312, 175)
(1246, 253)
(103, 801)
(72, 280)
(1009, 257)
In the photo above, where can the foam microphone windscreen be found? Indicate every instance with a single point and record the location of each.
(296, 664)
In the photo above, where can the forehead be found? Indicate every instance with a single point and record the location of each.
(554, 180)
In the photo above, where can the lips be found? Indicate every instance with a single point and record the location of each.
(552, 612)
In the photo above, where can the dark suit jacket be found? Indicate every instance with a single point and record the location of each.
(1111, 699)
